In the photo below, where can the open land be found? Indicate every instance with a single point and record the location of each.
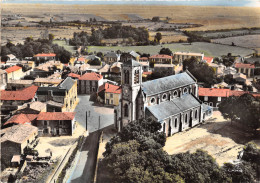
(180, 17)
(209, 49)
(248, 41)
(218, 137)
(211, 17)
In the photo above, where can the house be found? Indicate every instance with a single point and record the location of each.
(21, 119)
(221, 85)
(51, 65)
(18, 84)
(167, 69)
(32, 108)
(172, 101)
(28, 63)
(14, 141)
(247, 69)
(115, 69)
(181, 56)
(240, 78)
(229, 70)
(89, 83)
(55, 123)
(143, 59)
(160, 59)
(11, 100)
(47, 82)
(65, 94)
(12, 60)
(3, 79)
(213, 96)
(14, 73)
(145, 66)
(45, 56)
(104, 71)
(111, 57)
(208, 59)
(92, 57)
(74, 76)
(109, 94)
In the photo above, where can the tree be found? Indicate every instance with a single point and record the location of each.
(158, 37)
(94, 62)
(228, 109)
(51, 37)
(166, 51)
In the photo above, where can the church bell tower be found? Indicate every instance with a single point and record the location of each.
(131, 78)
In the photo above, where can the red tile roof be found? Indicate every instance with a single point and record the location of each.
(91, 76)
(214, 92)
(161, 56)
(73, 75)
(81, 59)
(242, 65)
(208, 59)
(45, 55)
(219, 92)
(143, 58)
(147, 73)
(12, 69)
(109, 88)
(24, 94)
(22, 119)
(56, 116)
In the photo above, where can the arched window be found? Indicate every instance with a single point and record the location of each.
(211, 104)
(126, 110)
(126, 77)
(152, 100)
(186, 118)
(196, 114)
(164, 97)
(175, 93)
(185, 90)
(175, 122)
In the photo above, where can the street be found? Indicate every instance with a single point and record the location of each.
(84, 167)
(106, 114)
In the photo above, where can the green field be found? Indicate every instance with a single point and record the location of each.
(66, 46)
(209, 49)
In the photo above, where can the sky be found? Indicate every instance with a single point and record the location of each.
(240, 3)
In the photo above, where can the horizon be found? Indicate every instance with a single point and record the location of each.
(230, 3)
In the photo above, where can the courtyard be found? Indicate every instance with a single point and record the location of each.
(217, 136)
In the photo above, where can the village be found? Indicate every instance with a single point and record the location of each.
(132, 97)
(40, 116)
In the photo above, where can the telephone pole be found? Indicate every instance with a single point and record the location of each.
(86, 120)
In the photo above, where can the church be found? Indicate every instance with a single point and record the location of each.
(172, 101)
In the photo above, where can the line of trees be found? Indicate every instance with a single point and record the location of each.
(31, 47)
(137, 35)
(135, 155)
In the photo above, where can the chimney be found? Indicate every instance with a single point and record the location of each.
(28, 105)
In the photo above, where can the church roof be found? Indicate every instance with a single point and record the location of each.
(170, 108)
(132, 63)
(167, 83)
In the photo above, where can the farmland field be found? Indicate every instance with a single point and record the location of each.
(66, 46)
(248, 41)
(209, 49)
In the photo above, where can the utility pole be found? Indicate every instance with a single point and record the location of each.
(98, 122)
(86, 120)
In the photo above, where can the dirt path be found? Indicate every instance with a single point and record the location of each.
(221, 139)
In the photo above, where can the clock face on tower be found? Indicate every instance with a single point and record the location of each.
(126, 91)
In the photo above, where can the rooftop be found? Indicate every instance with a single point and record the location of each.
(21, 119)
(161, 56)
(45, 55)
(56, 116)
(73, 75)
(48, 80)
(67, 83)
(18, 133)
(91, 76)
(167, 83)
(170, 108)
(214, 92)
(109, 88)
(111, 54)
(13, 68)
(242, 65)
(20, 81)
(208, 59)
(188, 53)
(132, 63)
(24, 94)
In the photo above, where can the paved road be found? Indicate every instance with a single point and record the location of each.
(85, 167)
(106, 114)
